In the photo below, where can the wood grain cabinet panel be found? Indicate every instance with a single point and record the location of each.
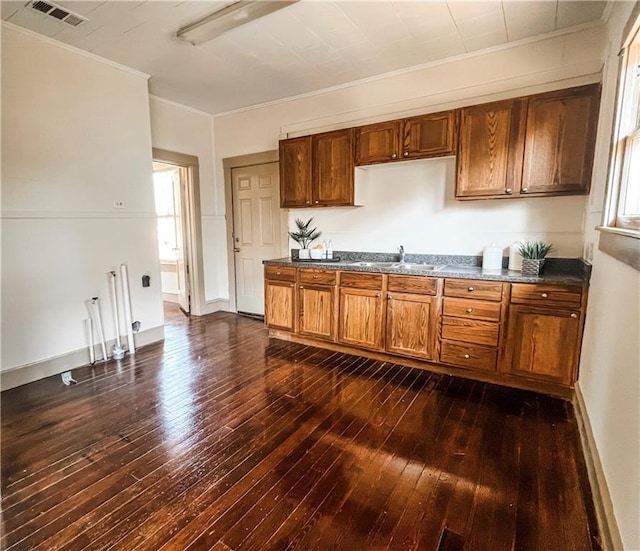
(378, 143)
(279, 305)
(361, 318)
(569, 296)
(543, 344)
(317, 311)
(474, 289)
(560, 141)
(317, 277)
(412, 325)
(469, 356)
(470, 331)
(333, 168)
(413, 284)
(472, 309)
(433, 135)
(295, 172)
(490, 150)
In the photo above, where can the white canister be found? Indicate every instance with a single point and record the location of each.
(492, 258)
(515, 258)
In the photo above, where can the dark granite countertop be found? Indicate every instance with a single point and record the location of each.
(561, 271)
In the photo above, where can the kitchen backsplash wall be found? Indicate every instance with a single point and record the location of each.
(413, 204)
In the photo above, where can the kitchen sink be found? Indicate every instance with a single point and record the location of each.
(398, 265)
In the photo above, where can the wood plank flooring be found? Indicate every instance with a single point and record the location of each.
(222, 439)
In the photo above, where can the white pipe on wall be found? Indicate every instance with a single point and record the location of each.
(92, 352)
(95, 303)
(116, 315)
(126, 298)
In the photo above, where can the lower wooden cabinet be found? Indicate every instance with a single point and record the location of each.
(412, 325)
(279, 305)
(361, 318)
(543, 343)
(317, 311)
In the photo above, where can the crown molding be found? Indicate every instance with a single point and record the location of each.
(180, 106)
(68, 47)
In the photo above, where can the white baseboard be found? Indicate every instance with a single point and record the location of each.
(215, 305)
(611, 539)
(65, 362)
(170, 297)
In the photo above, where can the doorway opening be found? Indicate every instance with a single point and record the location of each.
(174, 248)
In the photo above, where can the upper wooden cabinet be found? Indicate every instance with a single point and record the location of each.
(295, 172)
(421, 137)
(560, 141)
(537, 145)
(490, 150)
(317, 171)
(332, 155)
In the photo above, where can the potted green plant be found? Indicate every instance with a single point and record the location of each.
(533, 256)
(304, 236)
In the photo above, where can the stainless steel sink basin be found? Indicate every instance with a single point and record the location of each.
(398, 265)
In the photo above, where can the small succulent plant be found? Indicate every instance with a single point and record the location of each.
(305, 235)
(535, 250)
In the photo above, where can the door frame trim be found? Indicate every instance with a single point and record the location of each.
(228, 164)
(193, 223)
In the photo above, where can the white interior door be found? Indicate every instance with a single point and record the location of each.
(256, 231)
(182, 266)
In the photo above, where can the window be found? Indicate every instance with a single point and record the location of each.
(620, 232)
(165, 187)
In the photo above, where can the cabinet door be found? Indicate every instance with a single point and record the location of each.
(317, 311)
(295, 172)
(543, 344)
(361, 318)
(560, 141)
(412, 325)
(378, 143)
(333, 168)
(430, 135)
(490, 150)
(279, 305)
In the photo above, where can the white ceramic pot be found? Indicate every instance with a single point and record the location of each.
(303, 254)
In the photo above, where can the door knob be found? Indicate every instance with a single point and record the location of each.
(236, 250)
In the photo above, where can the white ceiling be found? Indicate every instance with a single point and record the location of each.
(305, 47)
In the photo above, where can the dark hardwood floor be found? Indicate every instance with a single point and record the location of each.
(222, 439)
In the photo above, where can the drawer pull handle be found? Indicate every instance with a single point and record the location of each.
(316, 277)
(469, 310)
(545, 295)
(278, 273)
(574, 315)
(466, 356)
(471, 289)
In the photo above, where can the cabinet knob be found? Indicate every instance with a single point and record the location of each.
(544, 295)
(378, 295)
(308, 202)
(394, 156)
(469, 310)
(278, 273)
(292, 284)
(524, 190)
(574, 315)
(301, 287)
(406, 153)
(316, 277)
(470, 289)
(317, 201)
(389, 297)
(466, 356)
(508, 191)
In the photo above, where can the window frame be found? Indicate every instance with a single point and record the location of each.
(620, 235)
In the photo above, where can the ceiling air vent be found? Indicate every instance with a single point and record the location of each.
(58, 12)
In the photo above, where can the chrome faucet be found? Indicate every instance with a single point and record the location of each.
(401, 250)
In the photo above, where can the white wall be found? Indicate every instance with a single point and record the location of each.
(609, 370)
(75, 137)
(412, 203)
(184, 130)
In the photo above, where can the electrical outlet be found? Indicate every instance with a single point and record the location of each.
(588, 256)
(118, 204)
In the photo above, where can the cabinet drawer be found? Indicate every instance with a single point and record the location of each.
(413, 284)
(540, 295)
(472, 288)
(280, 273)
(361, 281)
(472, 309)
(464, 355)
(472, 331)
(324, 277)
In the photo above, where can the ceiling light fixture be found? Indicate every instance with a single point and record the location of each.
(230, 17)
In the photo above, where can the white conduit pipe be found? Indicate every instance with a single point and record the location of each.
(118, 350)
(92, 352)
(95, 303)
(126, 299)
